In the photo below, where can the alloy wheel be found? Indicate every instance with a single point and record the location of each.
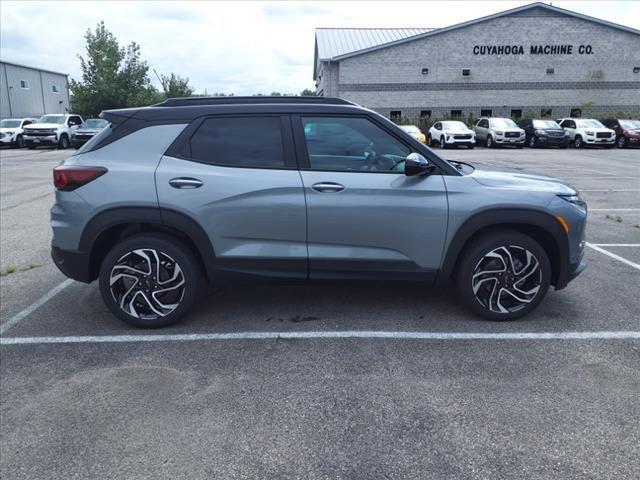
(621, 142)
(507, 279)
(147, 284)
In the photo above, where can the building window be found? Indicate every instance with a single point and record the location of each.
(424, 114)
(486, 112)
(545, 112)
(575, 113)
(466, 72)
(55, 89)
(425, 71)
(24, 84)
(516, 113)
(551, 71)
(395, 115)
(456, 113)
(636, 69)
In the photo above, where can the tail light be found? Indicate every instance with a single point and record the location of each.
(67, 178)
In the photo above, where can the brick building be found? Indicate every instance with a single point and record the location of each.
(535, 59)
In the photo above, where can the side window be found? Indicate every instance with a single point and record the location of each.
(239, 142)
(438, 126)
(351, 144)
(484, 123)
(74, 121)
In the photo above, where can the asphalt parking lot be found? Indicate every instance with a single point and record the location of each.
(326, 381)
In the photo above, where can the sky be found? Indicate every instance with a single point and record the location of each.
(233, 47)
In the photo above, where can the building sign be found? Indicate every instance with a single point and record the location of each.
(532, 50)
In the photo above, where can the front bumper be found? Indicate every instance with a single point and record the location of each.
(509, 141)
(599, 141)
(40, 140)
(8, 140)
(553, 141)
(74, 264)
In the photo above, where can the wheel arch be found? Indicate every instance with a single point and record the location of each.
(540, 226)
(111, 226)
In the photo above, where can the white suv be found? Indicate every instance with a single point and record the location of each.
(54, 129)
(11, 131)
(499, 131)
(451, 132)
(588, 131)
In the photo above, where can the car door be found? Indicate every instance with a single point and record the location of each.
(569, 126)
(481, 129)
(365, 218)
(236, 175)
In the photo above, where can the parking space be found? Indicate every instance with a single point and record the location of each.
(326, 381)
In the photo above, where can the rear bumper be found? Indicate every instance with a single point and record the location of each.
(74, 264)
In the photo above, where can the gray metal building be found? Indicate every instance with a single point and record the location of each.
(536, 60)
(31, 92)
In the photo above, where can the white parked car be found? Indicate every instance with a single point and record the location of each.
(54, 130)
(451, 133)
(499, 131)
(588, 131)
(415, 132)
(11, 130)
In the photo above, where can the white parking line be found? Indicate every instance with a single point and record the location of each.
(616, 244)
(35, 305)
(614, 209)
(595, 335)
(613, 255)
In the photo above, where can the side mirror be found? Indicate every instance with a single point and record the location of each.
(416, 164)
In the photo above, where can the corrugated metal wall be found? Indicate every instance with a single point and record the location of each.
(36, 100)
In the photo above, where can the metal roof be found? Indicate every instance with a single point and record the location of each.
(334, 42)
(21, 65)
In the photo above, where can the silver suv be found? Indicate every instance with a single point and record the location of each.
(171, 199)
(493, 132)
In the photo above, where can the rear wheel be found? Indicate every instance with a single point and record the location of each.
(503, 275)
(150, 281)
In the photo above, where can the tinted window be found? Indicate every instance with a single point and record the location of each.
(351, 144)
(239, 142)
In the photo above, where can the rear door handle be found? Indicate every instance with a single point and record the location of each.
(327, 187)
(184, 182)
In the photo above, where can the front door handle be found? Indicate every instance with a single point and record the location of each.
(184, 182)
(327, 187)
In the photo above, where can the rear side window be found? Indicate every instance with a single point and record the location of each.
(239, 142)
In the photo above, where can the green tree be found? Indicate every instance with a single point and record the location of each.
(112, 76)
(175, 86)
(307, 93)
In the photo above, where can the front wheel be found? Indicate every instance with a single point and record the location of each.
(490, 143)
(503, 275)
(621, 142)
(533, 142)
(150, 281)
(63, 143)
(19, 141)
(577, 142)
(443, 144)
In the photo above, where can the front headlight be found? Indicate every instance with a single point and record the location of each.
(575, 200)
(499, 133)
(589, 133)
(566, 134)
(9, 133)
(542, 133)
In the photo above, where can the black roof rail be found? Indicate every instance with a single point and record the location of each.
(259, 99)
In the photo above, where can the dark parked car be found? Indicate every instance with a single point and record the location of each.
(544, 132)
(89, 129)
(627, 131)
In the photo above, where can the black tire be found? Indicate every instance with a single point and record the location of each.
(432, 143)
(19, 141)
(489, 142)
(170, 250)
(443, 144)
(63, 143)
(621, 142)
(472, 258)
(577, 142)
(533, 142)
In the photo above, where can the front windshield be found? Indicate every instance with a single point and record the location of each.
(9, 123)
(545, 124)
(630, 124)
(454, 126)
(51, 119)
(589, 124)
(410, 129)
(95, 123)
(503, 123)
